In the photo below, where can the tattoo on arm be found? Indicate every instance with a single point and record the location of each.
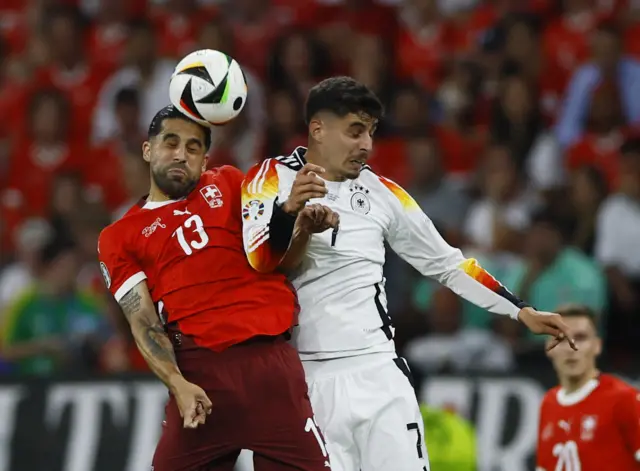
(130, 303)
(149, 333)
(155, 343)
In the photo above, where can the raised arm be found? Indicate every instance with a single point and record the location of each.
(272, 239)
(414, 238)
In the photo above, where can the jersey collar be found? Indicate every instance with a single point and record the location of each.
(299, 153)
(570, 399)
(144, 204)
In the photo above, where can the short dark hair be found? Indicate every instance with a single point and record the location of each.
(341, 96)
(171, 112)
(578, 310)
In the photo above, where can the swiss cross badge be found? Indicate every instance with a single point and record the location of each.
(212, 196)
(589, 423)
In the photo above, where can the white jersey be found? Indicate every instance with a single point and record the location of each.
(343, 307)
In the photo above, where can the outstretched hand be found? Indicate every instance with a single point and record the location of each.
(547, 323)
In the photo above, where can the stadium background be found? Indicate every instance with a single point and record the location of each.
(510, 121)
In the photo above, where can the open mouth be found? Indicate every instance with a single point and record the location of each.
(360, 163)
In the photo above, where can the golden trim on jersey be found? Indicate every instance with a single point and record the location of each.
(260, 186)
(406, 200)
(471, 267)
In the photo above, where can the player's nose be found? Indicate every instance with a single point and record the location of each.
(180, 154)
(366, 143)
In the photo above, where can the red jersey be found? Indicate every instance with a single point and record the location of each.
(593, 429)
(191, 254)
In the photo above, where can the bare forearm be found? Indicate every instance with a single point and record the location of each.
(151, 338)
(297, 249)
(156, 348)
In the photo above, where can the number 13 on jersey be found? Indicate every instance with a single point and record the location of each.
(196, 238)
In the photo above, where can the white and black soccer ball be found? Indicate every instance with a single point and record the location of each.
(209, 87)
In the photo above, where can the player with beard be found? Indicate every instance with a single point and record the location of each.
(591, 421)
(211, 328)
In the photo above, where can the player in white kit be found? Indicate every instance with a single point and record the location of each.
(323, 215)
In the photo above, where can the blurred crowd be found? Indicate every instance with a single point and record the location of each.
(512, 123)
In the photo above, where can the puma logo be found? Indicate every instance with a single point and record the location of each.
(564, 425)
(177, 212)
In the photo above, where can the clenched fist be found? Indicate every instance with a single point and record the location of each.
(316, 218)
(306, 186)
(193, 403)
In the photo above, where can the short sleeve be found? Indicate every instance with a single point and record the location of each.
(120, 270)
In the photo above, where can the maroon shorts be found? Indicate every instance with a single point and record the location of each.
(260, 403)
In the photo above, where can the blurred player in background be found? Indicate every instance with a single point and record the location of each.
(211, 328)
(591, 421)
(360, 389)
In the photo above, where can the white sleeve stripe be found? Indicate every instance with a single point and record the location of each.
(263, 177)
(637, 455)
(129, 284)
(253, 246)
(254, 183)
(257, 235)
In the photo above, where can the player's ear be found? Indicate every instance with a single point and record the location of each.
(204, 162)
(316, 129)
(146, 151)
(598, 346)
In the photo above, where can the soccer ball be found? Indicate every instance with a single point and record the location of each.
(209, 87)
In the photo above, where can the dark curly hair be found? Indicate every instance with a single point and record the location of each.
(341, 96)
